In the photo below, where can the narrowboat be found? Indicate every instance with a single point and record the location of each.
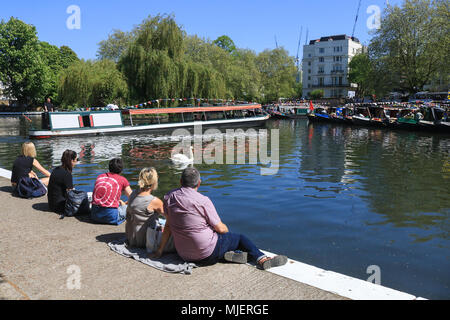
(56, 124)
(319, 115)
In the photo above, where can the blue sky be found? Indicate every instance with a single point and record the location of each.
(252, 24)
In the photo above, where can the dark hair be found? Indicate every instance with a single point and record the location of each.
(116, 165)
(66, 159)
(190, 177)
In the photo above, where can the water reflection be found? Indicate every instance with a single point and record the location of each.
(404, 175)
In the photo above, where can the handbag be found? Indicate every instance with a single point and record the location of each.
(154, 236)
(30, 188)
(77, 203)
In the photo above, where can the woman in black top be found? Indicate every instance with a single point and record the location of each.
(23, 165)
(61, 181)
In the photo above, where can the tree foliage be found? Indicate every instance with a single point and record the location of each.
(22, 69)
(29, 68)
(116, 44)
(412, 43)
(92, 83)
(278, 74)
(362, 73)
(225, 43)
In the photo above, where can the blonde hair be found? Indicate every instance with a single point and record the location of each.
(28, 149)
(148, 178)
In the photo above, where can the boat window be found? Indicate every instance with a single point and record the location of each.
(188, 117)
(145, 119)
(86, 121)
(175, 118)
(215, 115)
(239, 114)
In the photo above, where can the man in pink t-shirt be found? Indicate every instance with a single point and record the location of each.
(199, 234)
(106, 204)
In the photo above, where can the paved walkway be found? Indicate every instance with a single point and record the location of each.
(37, 249)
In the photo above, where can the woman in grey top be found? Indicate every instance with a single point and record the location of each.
(143, 211)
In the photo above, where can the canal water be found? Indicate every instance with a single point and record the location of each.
(343, 199)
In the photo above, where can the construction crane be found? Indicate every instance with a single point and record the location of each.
(356, 19)
(297, 58)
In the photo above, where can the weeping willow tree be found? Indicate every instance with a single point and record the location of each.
(156, 65)
(88, 83)
(153, 64)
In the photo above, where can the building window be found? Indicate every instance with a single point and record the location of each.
(321, 50)
(321, 59)
(309, 70)
(321, 69)
(309, 63)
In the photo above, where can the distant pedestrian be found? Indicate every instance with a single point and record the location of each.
(48, 106)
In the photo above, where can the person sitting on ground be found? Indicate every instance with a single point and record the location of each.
(199, 234)
(24, 164)
(61, 181)
(107, 207)
(143, 210)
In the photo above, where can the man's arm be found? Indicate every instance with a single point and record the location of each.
(221, 228)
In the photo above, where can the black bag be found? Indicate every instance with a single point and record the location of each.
(77, 203)
(30, 188)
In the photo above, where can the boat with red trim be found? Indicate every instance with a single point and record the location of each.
(57, 124)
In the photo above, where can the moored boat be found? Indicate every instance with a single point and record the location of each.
(319, 115)
(56, 124)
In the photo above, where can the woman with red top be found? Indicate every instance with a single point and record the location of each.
(106, 204)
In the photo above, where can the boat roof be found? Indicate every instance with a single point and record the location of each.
(194, 109)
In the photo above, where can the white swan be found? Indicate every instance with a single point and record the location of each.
(182, 158)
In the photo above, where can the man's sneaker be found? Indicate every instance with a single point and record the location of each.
(236, 256)
(267, 263)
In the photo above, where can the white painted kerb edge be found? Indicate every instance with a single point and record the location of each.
(330, 281)
(5, 173)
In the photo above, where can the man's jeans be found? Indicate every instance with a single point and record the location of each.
(232, 242)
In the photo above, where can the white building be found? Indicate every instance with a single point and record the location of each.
(325, 65)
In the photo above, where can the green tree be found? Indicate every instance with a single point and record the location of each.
(362, 73)
(67, 56)
(88, 83)
(316, 94)
(22, 69)
(153, 62)
(412, 42)
(116, 44)
(226, 44)
(278, 74)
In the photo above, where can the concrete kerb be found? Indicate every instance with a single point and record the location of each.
(339, 284)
